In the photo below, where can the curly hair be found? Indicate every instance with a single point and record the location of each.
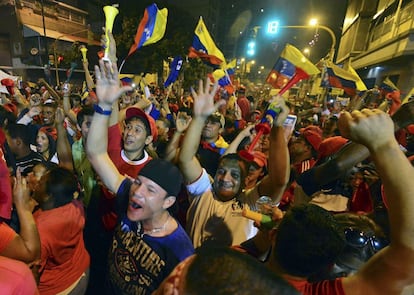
(308, 240)
(220, 271)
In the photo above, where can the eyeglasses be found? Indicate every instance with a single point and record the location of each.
(357, 238)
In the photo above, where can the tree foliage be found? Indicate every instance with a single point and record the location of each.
(149, 59)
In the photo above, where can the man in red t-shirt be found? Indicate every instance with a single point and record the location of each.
(243, 103)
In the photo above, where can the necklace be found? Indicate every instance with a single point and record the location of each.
(158, 229)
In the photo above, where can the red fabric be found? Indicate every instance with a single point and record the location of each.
(7, 234)
(361, 200)
(401, 137)
(16, 277)
(63, 254)
(395, 101)
(333, 287)
(244, 105)
(331, 146)
(289, 194)
(114, 151)
(5, 189)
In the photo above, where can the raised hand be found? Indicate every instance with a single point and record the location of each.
(182, 122)
(108, 88)
(204, 99)
(372, 128)
(284, 111)
(21, 193)
(59, 116)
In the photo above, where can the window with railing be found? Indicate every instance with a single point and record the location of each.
(55, 9)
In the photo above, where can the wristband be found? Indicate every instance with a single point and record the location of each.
(101, 111)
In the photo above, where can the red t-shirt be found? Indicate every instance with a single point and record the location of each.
(244, 105)
(16, 277)
(7, 234)
(63, 254)
(115, 152)
(333, 287)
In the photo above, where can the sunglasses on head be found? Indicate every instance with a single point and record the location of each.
(357, 238)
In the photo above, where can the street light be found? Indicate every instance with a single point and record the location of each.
(325, 28)
(54, 50)
(274, 25)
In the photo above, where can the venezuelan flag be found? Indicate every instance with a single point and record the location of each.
(360, 85)
(291, 64)
(151, 28)
(175, 68)
(340, 78)
(388, 86)
(204, 47)
(223, 80)
(231, 67)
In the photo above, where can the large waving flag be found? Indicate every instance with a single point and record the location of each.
(340, 78)
(360, 85)
(391, 93)
(175, 68)
(231, 67)
(151, 28)
(204, 47)
(291, 67)
(388, 86)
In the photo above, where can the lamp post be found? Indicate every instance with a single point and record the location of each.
(325, 28)
(274, 26)
(54, 51)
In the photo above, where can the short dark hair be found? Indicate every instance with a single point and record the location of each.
(20, 131)
(61, 184)
(221, 270)
(6, 115)
(85, 111)
(308, 240)
(145, 122)
(242, 162)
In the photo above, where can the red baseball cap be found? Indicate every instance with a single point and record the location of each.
(147, 119)
(259, 158)
(331, 146)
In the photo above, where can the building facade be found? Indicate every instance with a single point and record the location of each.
(33, 34)
(378, 41)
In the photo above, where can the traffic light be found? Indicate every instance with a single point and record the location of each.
(273, 27)
(251, 48)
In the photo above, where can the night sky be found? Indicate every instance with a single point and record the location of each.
(288, 12)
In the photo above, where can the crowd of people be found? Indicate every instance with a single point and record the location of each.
(119, 192)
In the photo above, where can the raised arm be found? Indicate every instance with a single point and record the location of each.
(66, 104)
(390, 270)
(274, 183)
(108, 91)
(203, 107)
(88, 78)
(246, 132)
(182, 122)
(26, 245)
(63, 147)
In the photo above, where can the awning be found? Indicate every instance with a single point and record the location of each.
(34, 31)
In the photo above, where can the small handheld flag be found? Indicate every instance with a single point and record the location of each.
(291, 67)
(175, 68)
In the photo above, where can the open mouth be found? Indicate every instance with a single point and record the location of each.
(134, 205)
